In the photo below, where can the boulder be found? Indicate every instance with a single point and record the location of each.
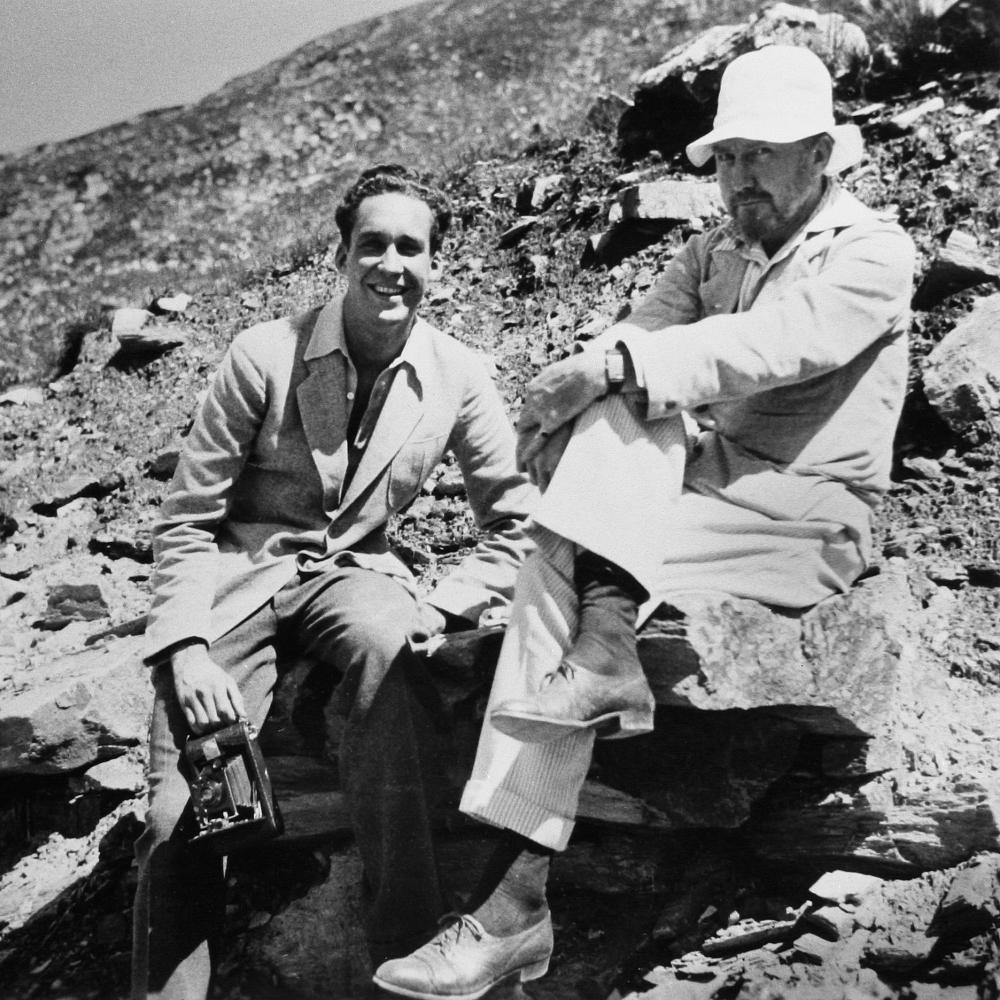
(73, 602)
(905, 121)
(163, 465)
(149, 342)
(119, 545)
(971, 30)
(628, 237)
(74, 487)
(971, 905)
(834, 668)
(92, 706)
(538, 193)
(605, 112)
(23, 395)
(962, 374)
(172, 303)
(675, 101)
(668, 200)
(512, 236)
(128, 318)
(747, 693)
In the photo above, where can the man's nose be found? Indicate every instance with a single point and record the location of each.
(391, 259)
(741, 174)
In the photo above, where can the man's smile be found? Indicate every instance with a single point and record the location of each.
(389, 291)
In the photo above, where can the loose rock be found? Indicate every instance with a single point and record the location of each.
(962, 374)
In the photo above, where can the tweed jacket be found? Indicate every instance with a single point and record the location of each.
(259, 490)
(796, 364)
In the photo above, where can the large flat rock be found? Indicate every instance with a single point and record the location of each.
(834, 668)
(94, 707)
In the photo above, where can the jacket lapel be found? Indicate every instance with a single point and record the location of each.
(401, 412)
(720, 292)
(323, 406)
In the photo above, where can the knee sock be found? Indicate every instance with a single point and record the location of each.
(510, 896)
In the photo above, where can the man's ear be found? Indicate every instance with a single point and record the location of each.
(823, 150)
(340, 255)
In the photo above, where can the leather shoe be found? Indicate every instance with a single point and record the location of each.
(464, 962)
(572, 700)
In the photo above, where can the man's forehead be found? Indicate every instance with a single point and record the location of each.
(391, 210)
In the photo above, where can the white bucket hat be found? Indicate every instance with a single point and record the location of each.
(780, 93)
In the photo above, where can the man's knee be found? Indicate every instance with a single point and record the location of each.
(377, 635)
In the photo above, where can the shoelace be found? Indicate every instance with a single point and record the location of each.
(564, 669)
(456, 923)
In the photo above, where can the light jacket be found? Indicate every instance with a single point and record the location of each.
(796, 364)
(259, 490)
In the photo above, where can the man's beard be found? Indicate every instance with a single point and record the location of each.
(755, 219)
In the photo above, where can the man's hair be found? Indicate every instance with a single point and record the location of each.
(394, 178)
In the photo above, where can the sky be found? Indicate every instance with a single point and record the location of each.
(71, 66)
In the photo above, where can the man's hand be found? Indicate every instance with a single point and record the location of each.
(432, 622)
(208, 696)
(553, 399)
(544, 452)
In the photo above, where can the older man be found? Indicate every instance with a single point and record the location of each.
(783, 334)
(315, 430)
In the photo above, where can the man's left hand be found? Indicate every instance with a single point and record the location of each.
(432, 622)
(554, 397)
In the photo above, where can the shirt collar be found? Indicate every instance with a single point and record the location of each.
(328, 337)
(837, 208)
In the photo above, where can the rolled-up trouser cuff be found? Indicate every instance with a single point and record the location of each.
(503, 808)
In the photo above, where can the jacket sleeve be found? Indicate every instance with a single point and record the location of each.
(501, 499)
(859, 294)
(184, 537)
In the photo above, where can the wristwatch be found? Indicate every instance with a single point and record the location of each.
(614, 369)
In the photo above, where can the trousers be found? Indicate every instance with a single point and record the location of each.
(620, 491)
(354, 622)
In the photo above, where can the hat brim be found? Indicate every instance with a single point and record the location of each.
(848, 146)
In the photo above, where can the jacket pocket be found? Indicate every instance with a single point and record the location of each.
(409, 470)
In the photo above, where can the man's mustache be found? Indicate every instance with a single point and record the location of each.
(745, 197)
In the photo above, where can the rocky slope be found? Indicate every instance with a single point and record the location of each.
(189, 193)
(217, 201)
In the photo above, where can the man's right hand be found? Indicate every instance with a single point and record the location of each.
(207, 695)
(538, 454)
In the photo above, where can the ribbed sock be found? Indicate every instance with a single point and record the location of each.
(510, 896)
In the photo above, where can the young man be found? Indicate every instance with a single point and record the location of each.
(315, 429)
(783, 334)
